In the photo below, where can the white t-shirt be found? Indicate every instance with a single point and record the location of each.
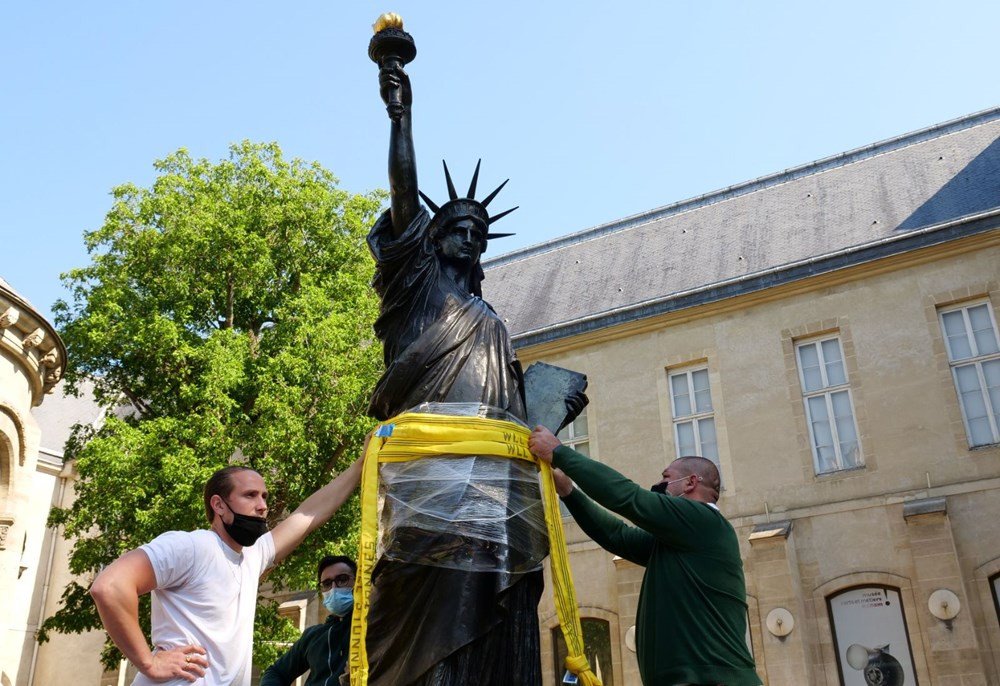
(206, 594)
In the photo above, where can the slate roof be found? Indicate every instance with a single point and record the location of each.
(881, 199)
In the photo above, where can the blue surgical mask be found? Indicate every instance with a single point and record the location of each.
(339, 601)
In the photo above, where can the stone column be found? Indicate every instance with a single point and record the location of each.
(628, 578)
(952, 649)
(32, 360)
(775, 572)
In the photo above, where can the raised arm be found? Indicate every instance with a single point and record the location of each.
(405, 202)
(316, 509)
(671, 520)
(607, 531)
(116, 592)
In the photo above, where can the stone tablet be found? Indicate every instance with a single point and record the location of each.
(554, 395)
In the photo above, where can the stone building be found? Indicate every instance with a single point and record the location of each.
(48, 556)
(32, 360)
(828, 335)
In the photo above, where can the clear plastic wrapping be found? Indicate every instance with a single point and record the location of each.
(477, 514)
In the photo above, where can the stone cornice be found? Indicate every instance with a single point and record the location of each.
(930, 499)
(29, 338)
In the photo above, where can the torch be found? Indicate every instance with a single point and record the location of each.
(391, 46)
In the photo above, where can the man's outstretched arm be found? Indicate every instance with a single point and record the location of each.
(670, 519)
(609, 532)
(316, 509)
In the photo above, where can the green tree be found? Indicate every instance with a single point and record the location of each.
(226, 315)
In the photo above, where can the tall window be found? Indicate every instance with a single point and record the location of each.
(829, 408)
(971, 337)
(575, 434)
(693, 414)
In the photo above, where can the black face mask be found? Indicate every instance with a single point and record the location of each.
(660, 488)
(245, 529)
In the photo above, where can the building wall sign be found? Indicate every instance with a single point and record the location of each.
(870, 637)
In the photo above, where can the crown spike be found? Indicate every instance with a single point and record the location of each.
(452, 195)
(471, 195)
(503, 214)
(489, 198)
(430, 203)
(491, 236)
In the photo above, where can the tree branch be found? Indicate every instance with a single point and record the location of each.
(328, 467)
(138, 403)
(228, 324)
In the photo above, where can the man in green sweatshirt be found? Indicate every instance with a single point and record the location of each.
(691, 619)
(322, 648)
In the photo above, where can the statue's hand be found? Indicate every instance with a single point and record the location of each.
(392, 80)
(574, 406)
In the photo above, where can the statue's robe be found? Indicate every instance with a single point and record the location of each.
(431, 622)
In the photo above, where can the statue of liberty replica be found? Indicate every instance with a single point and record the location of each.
(455, 590)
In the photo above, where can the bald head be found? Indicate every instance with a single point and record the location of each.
(703, 468)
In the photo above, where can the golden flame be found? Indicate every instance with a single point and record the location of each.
(389, 20)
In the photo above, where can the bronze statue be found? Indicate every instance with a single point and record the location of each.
(452, 603)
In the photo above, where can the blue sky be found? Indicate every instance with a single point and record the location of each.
(594, 110)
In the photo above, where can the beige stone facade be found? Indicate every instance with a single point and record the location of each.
(921, 513)
(32, 360)
(48, 555)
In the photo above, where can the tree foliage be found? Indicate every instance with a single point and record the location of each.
(226, 315)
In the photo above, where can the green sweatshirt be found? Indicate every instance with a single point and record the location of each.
(692, 615)
(322, 650)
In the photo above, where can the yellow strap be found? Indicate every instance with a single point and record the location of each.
(412, 436)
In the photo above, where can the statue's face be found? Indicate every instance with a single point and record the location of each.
(461, 242)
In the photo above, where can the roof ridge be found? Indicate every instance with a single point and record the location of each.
(743, 188)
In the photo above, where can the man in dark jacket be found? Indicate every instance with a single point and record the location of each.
(692, 613)
(322, 649)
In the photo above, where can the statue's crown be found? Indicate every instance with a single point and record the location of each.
(459, 208)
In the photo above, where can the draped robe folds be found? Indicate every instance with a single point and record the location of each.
(432, 623)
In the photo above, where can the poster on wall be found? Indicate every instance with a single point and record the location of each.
(869, 634)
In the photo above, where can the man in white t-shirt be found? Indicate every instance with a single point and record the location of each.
(204, 583)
